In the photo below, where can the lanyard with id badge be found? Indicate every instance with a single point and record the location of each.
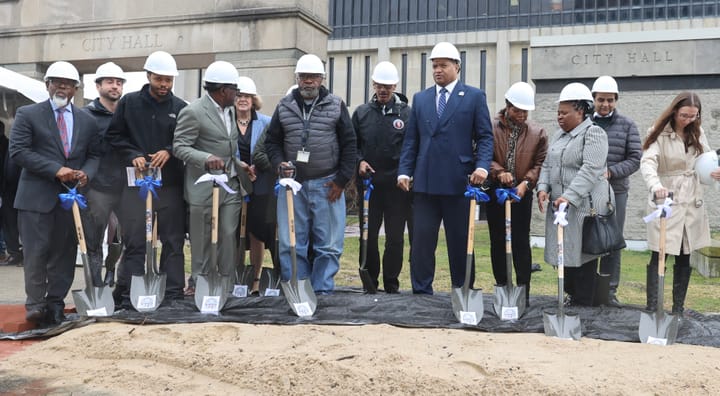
(303, 156)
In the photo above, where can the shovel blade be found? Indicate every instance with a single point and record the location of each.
(467, 306)
(268, 280)
(147, 291)
(367, 281)
(94, 301)
(658, 329)
(301, 297)
(509, 302)
(211, 292)
(566, 327)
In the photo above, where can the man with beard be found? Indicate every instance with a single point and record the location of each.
(380, 127)
(55, 145)
(520, 147)
(142, 131)
(311, 131)
(106, 188)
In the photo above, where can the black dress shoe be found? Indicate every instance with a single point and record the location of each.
(36, 315)
(56, 315)
(613, 302)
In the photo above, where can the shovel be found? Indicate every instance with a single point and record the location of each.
(211, 289)
(298, 292)
(91, 301)
(367, 281)
(658, 327)
(147, 291)
(246, 274)
(468, 304)
(566, 327)
(509, 303)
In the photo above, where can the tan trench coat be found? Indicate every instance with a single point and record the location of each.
(666, 164)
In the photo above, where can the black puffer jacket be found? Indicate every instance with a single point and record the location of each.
(380, 131)
(624, 149)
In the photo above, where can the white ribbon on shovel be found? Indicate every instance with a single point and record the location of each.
(290, 182)
(560, 215)
(221, 180)
(657, 212)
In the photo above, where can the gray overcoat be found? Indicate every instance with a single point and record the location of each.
(574, 168)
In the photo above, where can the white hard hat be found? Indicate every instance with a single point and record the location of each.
(704, 165)
(162, 63)
(221, 72)
(63, 69)
(385, 73)
(445, 50)
(246, 85)
(521, 95)
(289, 91)
(605, 84)
(311, 64)
(109, 70)
(575, 91)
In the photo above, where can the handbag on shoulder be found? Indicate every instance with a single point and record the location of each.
(601, 234)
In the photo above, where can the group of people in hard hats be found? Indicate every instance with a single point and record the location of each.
(415, 164)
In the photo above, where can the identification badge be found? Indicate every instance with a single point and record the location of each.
(303, 156)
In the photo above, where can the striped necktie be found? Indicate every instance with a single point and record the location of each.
(63, 131)
(442, 102)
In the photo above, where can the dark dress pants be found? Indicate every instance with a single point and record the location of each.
(171, 212)
(580, 283)
(429, 211)
(10, 225)
(392, 205)
(521, 214)
(50, 249)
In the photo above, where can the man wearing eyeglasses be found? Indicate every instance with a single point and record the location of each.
(380, 128)
(311, 131)
(55, 144)
(206, 140)
(623, 160)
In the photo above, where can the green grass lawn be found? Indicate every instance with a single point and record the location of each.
(702, 294)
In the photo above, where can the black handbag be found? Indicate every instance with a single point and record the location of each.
(601, 234)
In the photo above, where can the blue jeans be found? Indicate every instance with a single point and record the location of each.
(316, 219)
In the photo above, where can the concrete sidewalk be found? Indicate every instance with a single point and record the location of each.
(12, 285)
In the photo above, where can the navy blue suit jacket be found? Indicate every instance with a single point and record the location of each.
(36, 147)
(440, 153)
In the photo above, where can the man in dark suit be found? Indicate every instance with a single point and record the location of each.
(449, 136)
(54, 143)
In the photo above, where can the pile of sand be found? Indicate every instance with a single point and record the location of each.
(230, 358)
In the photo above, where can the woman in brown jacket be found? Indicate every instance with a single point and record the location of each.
(519, 151)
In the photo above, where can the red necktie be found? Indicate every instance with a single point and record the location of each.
(63, 131)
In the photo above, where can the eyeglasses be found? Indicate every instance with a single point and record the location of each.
(62, 82)
(689, 117)
(308, 76)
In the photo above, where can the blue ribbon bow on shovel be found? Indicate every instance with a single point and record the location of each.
(67, 199)
(146, 184)
(368, 187)
(503, 194)
(476, 193)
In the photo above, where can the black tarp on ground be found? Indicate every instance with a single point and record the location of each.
(350, 307)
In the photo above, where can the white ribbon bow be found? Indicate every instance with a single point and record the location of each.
(560, 215)
(290, 182)
(658, 212)
(221, 180)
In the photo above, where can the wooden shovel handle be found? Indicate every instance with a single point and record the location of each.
(79, 228)
(471, 228)
(291, 215)
(215, 214)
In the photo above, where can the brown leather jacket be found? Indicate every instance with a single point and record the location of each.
(530, 150)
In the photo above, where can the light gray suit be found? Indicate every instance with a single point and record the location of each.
(201, 132)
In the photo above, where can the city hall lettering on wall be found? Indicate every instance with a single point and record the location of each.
(628, 58)
(123, 42)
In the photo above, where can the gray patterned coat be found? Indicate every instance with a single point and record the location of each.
(574, 168)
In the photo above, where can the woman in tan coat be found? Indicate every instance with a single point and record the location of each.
(672, 145)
